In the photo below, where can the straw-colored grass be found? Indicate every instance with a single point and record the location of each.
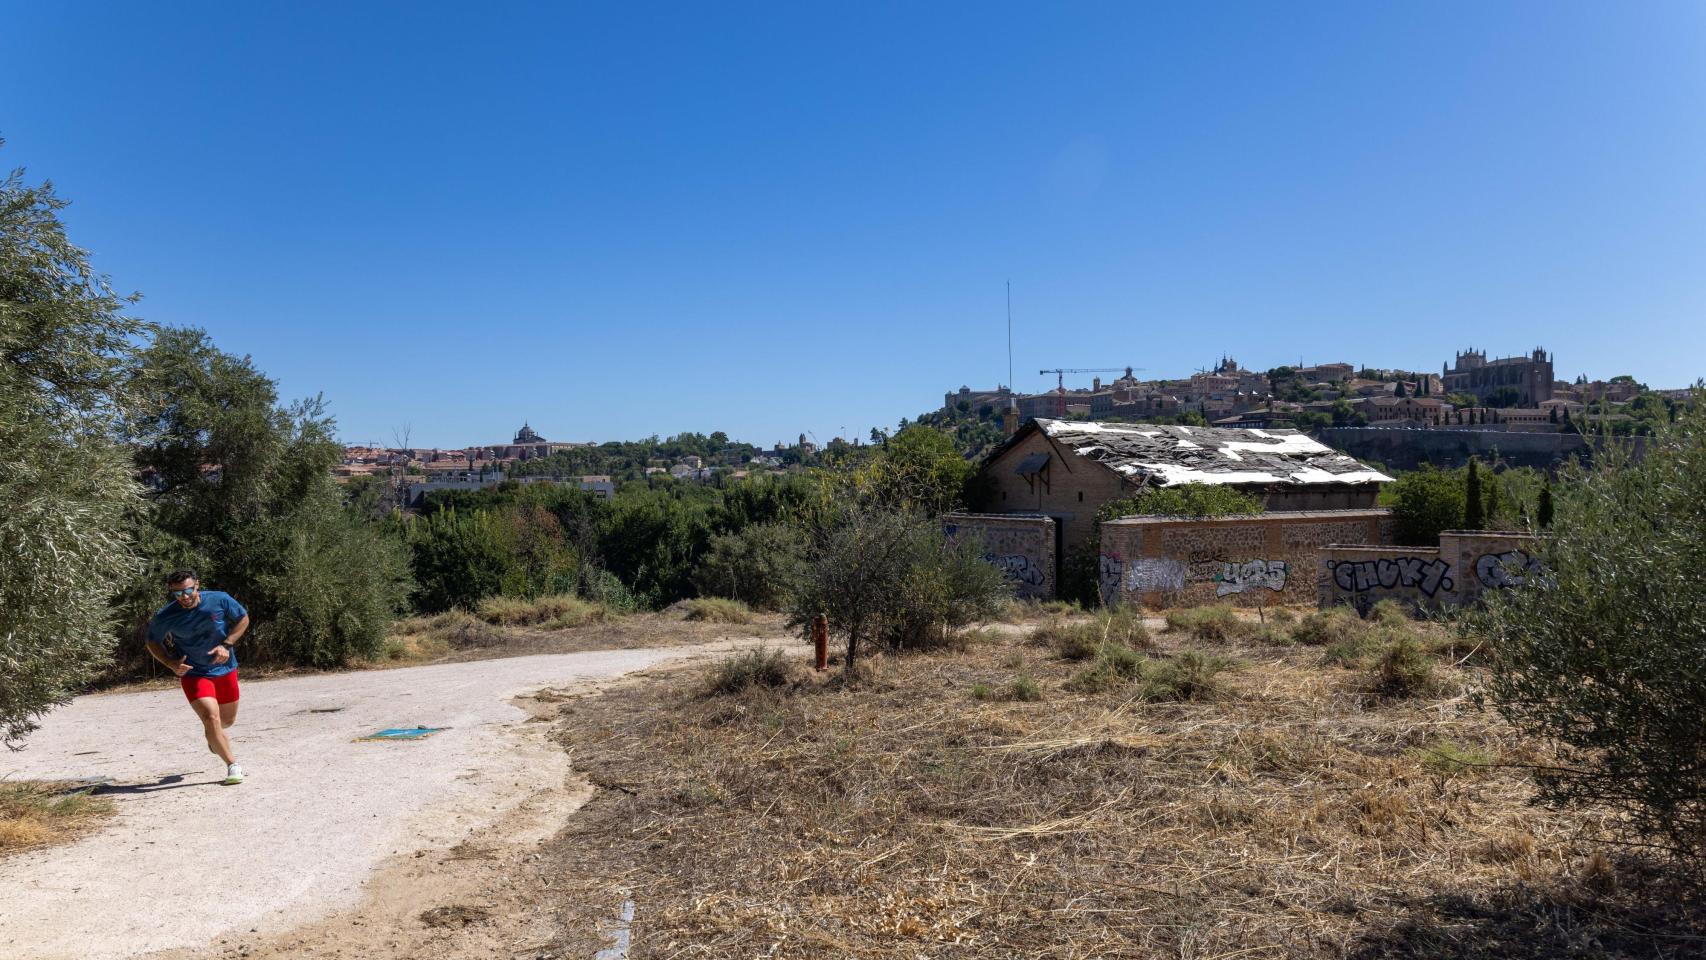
(1271, 810)
(716, 610)
(36, 813)
(560, 612)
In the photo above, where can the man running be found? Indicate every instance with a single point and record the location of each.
(202, 627)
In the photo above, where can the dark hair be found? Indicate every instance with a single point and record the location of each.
(179, 576)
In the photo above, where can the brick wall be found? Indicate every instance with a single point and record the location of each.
(1271, 558)
(1023, 547)
(1070, 490)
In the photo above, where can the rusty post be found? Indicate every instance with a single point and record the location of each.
(820, 639)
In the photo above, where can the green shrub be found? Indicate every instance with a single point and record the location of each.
(758, 667)
(716, 610)
(757, 565)
(1335, 625)
(1094, 679)
(1083, 640)
(1390, 613)
(1115, 665)
(980, 691)
(1025, 688)
(1216, 622)
(546, 613)
(1188, 675)
(1404, 670)
(891, 577)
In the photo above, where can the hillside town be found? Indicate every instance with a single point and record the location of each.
(1447, 417)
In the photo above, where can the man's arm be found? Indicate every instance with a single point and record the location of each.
(219, 655)
(158, 652)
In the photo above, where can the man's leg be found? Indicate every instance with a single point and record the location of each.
(208, 710)
(228, 714)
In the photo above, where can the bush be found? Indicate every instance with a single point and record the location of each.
(1025, 688)
(1425, 502)
(980, 691)
(1404, 670)
(1601, 653)
(560, 612)
(1188, 675)
(1217, 622)
(716, 610)
(891, 578)
(757, 565)
(1335, 625)
(1080, 640)
(759, 667)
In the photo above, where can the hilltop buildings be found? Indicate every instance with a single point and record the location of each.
(1516, 381)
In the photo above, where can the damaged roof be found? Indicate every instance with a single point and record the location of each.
(1168, 455)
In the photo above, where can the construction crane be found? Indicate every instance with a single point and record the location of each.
(1060, 379)
(1061, 372)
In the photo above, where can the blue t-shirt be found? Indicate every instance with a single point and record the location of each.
(196, 631)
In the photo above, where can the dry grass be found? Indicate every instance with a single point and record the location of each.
(715, 610)
(561, 612)
(759, 667)
(35, 813)
(1275, 811)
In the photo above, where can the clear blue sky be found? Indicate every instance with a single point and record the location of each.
(616, 219)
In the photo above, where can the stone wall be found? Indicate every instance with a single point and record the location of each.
(1023, 547)
(1465, 565)
(1270, 558)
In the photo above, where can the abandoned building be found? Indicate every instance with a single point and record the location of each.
(1068, 469)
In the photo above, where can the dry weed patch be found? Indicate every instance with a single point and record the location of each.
(36, 813)
(1264, 807)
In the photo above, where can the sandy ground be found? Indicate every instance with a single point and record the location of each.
(192, 866)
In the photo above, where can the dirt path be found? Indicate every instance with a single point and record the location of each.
(190, 864)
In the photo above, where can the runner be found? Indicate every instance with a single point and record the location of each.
(202, 627)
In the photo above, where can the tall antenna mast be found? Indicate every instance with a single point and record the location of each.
(1009, 337)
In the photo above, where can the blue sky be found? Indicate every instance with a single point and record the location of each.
(614, 220)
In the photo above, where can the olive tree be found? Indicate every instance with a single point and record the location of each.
(890, 577)
(65, 485)
(1600, 651)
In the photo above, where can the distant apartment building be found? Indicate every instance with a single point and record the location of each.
(1529, 378)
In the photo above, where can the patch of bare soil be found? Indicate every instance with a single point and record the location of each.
(1282, 810)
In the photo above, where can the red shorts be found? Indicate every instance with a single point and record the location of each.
(222, 688)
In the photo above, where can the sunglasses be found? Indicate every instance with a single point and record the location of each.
(181, 593)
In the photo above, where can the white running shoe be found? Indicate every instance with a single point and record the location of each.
(233, 774)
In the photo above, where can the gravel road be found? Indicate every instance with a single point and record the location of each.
(186, 861)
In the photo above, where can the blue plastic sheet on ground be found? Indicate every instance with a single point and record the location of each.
(402, 733)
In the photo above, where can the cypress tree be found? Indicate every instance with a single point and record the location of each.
(1545, 513)
(1494, 505)
(1473, 508)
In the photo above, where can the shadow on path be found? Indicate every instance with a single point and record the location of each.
(173, 781)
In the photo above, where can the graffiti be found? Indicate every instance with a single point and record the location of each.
(1018, 568)
(1428, 576)
(1157, 575)
(1499, 571)
(1255, 574)
(1108, 571)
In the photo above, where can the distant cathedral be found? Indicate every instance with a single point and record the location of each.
(526, 435)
